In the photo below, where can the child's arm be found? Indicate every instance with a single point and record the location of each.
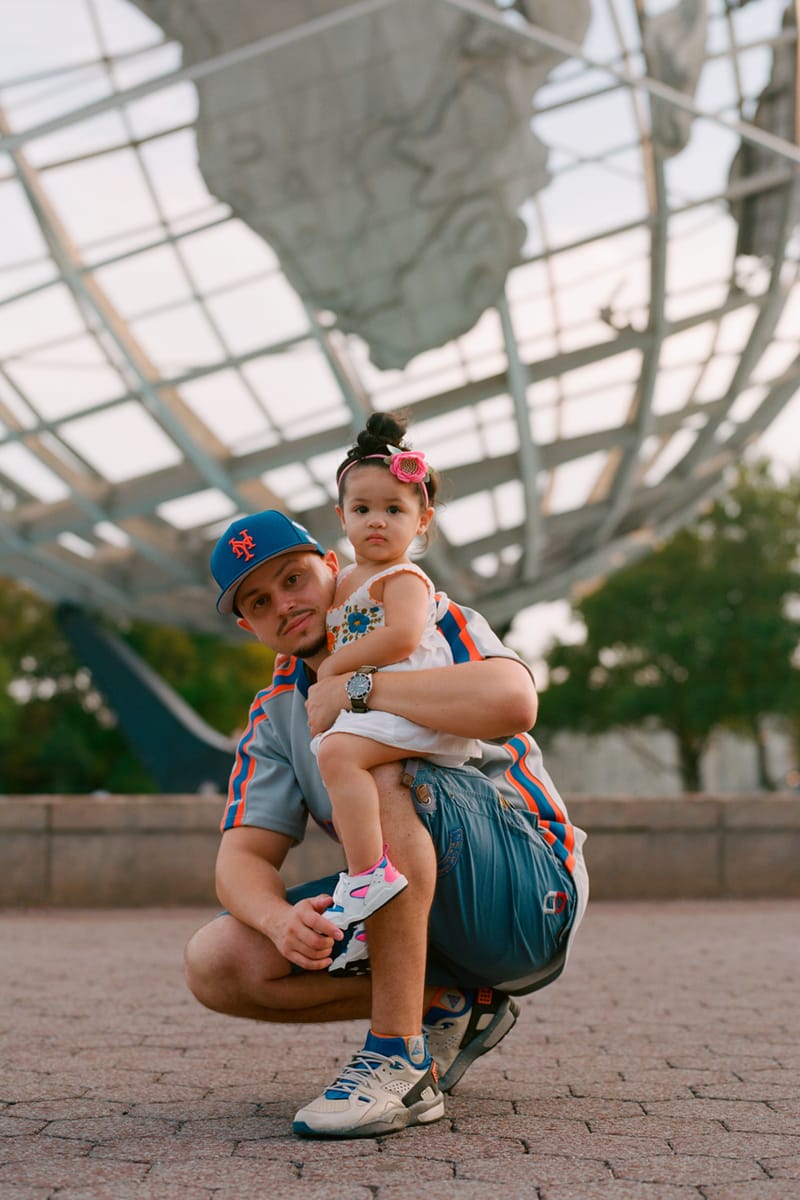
(405, 602)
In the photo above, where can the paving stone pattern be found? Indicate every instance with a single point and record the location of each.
(664, 1065)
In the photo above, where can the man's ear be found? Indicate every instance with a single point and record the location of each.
(244, 624)
(331, 561)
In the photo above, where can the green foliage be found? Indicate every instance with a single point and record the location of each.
(217, 679)
(700, 634)
(58, 735)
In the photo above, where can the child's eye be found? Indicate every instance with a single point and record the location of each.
(394, 508)
(360, 508)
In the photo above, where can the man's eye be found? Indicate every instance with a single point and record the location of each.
(291, 580)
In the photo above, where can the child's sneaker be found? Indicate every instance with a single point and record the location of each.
(357, 897)
(461, 1026)
(354, 958)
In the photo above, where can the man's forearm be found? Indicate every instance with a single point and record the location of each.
(491, 698)
(249, 887)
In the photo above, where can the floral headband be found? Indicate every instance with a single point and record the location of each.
(409, 466)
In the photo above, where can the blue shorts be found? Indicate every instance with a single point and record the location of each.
(504, 903)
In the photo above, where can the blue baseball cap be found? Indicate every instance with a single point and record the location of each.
(250, 541)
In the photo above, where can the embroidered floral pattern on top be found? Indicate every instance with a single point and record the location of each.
(354, 623)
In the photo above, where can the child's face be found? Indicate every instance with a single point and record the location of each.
(380, 515)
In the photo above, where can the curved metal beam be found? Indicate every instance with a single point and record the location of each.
(529, 458)
(641, 414)
(166, 406)
(764, 326)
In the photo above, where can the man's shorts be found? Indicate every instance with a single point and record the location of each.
(503, 904)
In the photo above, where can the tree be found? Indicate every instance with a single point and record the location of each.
(58, 734)
(702, 633)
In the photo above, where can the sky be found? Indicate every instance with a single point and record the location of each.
(109, 205)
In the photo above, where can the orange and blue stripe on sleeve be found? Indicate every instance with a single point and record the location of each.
(453, 626)
(553, 824)
(243, 767)
(286, 676)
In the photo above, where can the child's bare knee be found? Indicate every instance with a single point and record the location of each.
(329, 759)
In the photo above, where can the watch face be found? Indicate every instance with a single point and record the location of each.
(359, 687)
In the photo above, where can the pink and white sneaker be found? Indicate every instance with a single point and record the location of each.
(357, 897)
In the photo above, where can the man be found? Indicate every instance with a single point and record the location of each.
(497, 883)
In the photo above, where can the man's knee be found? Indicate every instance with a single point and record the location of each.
(223, 961)
(204, 963)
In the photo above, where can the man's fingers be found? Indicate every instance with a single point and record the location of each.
(314, 920)
(321, 924)
(311, 964)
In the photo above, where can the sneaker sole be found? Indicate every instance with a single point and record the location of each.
(349, 969)
(504, 1021)
(422, 1113)
(353, 960)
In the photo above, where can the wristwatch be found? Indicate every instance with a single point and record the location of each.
(358, 688)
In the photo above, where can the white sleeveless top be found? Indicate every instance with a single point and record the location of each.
(359, 614)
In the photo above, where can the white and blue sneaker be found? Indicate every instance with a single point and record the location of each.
(357, 897)
(460, 1026)
(387, 1086)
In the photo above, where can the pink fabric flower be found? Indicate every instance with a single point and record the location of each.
(409, 466)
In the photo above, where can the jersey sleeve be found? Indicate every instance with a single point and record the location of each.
(469, 635)
(263, 788)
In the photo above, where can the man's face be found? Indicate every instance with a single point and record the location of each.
(284, 602)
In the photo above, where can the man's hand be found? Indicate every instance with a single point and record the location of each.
(305, 937)
(326, 699)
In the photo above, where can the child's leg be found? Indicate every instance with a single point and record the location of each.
(345, 761)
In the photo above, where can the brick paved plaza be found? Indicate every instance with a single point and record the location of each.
(664, 1065)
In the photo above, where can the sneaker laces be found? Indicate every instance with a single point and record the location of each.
(352, 1076)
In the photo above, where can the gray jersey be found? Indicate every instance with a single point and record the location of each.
(275, 783)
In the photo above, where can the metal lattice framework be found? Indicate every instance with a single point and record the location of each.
(165, 364)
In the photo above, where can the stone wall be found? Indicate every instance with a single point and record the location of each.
(120, 851)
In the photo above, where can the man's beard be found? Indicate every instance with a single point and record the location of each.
(314, 649)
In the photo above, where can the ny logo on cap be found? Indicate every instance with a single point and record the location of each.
(243, 546)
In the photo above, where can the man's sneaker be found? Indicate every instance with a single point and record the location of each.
(354, 958)
(461, 1026)
(357, 897)
(376, 1093)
